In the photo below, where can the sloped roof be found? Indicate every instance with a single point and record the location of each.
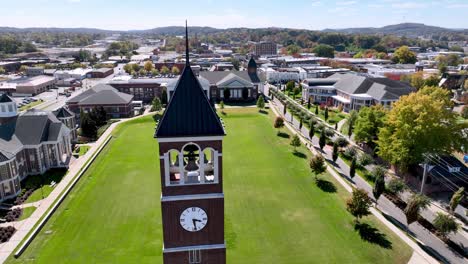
(63, 112)
(230, 78)
(189, 112)
(91, 91)
(30, 128)
(107, 97)
(215, 76)
(378, 88)
(5, 98)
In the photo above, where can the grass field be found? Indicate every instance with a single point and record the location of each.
(27, 212)
(274, 211)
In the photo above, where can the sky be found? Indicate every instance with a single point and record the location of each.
(311, 14)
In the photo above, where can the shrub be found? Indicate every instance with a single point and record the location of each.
(342, 142)
(365, 159)
(350, 152)
(395, 186)
(329, 132)
(445, 225)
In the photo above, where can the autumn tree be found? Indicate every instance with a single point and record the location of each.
(324, 50)
(175, 70)
(358, 204)
(404, 55)
(164, 70)
(148, 66)
(317, 165)
(418, 124)
(279, 123)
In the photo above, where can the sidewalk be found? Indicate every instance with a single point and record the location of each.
(24, 227)
(389, 210)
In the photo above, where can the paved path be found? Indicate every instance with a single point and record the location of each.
(429, 241)
(25, 226)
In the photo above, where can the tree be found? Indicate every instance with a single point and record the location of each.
(295, 142)
(296, 91)
(279, 123)
(322, 139)
(148, 66)
(325, 115)
(221, 105)
(323, 50)
(102, 115)
(154, 72)
(317, 165)
(432, 80)
(416, 203)
(308, 103)
(175, 70)
(311, 130)
(88, 125)
(352, 168)
(227, 93)
(335, 152)
(134, 66)
(164, 97)
(316, 110)
(379, 187)
(368, 124)
(2, 70)
(417, 80)
(300, 123)
(142, 72)
(456, 199)
(156, 104)
(164, 70)
(350, 129)
(404, 55)
(445, 224)
(290, 86)
(418, 124)
(260, 102)
(395, 186)
(358, 204)
(23, 68)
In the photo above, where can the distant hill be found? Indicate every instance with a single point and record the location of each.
(175, 30)
(404, 29)
(55, 30)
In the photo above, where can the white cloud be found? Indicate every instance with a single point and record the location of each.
(458, 6)
(346, 3)
(409, 5)
(73, 1)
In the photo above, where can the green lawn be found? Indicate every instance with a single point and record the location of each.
(44, 180)
(274, 211)
(82, 150)
(31, 105)
(27, 212)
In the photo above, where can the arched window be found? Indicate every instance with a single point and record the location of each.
(174, 168)
(191, 159)
(209, 164)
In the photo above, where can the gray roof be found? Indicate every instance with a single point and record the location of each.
(63, 112)
(29, 128)
(215, 76)
(101, 94)
(378, 88)
(4, 98)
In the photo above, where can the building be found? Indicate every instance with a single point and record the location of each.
(242, 85)
(116, 104)
(142, 89)
(190, 138)
(354, 91)
(68, 118)
(283, 75)
(34, 71)
(265, 48)
(28, 85)
(66, 77)
(30, 143)
(100, 73)
(394, 72)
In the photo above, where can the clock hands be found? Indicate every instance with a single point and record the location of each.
(194, 221)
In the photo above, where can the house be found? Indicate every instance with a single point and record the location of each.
(242, 85)
(354, 91)
(142, 89)
(30, 143)
(116, 104)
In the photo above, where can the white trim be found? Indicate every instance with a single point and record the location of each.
(188, 248)
(191, 197)
(183, 139)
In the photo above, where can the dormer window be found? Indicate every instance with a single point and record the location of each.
(191, 165)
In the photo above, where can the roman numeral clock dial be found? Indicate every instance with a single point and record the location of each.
(193, 219)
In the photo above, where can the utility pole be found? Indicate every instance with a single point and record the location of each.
(427, 168)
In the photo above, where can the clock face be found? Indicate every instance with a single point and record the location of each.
(193, 219)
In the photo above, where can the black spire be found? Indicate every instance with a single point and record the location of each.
(187, 59)
(189, 112)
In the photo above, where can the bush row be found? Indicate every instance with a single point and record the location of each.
(6, 233)
(13, 215)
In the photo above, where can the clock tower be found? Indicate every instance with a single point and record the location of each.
(190, 136)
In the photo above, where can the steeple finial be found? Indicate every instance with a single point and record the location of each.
(187, 59)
